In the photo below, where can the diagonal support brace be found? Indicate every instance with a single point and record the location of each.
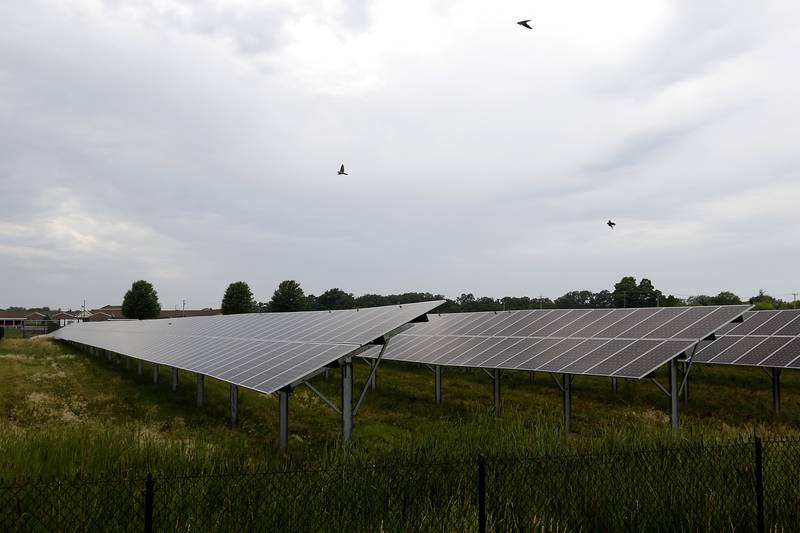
(323, 398)
(375, 365)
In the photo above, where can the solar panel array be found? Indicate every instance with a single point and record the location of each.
(628, 343)
(263, 352)
(765, 338)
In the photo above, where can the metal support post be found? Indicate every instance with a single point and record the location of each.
(108, 354)
(347, 400)
(566, 387)
(374, 377)
(776, 390)
(437, 373)
(498, 402)
(614, 385)
(155, 373)
(685, 382)
(234, 404)
(174, 379)
(327, 374)
(674, 396)
(127, 363)
(119, 359)
(200, 391)
(283, 415)
(139, 366)
(531, 376)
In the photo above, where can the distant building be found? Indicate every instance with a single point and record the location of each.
(12, 319)
(18, 319)
(114, 312)
(63, 318)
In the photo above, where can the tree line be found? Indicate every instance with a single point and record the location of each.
(289, 296)
(141, 300)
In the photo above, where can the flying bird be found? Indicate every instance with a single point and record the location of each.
(611, 224)
(525, 23)
(341, 171)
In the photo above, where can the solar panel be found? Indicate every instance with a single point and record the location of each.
(263, 352)
(628, 343)
(766, 338)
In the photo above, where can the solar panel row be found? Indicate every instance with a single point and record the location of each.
(628, 343)
(765, 339)
(263, 352)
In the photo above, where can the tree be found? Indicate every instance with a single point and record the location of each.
(238, 299)
(727, 298)
(141, 301)
(466, 302)
(700, 299)
(625, 292)
(513, 303)
(575, 300)
(672, 301)
(288, 297)
(764, 301)
(335, 299)
(603, 299)
(647, 295)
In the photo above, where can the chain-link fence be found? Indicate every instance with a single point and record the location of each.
(745, 486)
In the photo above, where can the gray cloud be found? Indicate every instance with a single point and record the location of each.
(181, 143)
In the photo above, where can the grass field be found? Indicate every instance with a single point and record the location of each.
(64, 412)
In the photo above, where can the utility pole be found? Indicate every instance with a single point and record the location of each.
(183, 309)
(794, 300)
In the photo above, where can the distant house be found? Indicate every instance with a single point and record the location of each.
(64, 318)
(114, 312)
(178, 313)
(12, 319)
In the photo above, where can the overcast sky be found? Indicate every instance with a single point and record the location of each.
(196, 143)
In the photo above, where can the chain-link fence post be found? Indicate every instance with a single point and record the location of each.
(759, 486)
(148, 504)
(481, 494)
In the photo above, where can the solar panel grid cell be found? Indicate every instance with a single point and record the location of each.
(533, 328)
(609, 319)
(568, 357)
(527, 351)
(545, 356)
(528, 321)
(481, 327)
(651, 360)
(792, 328)
(784, 356)
(754, 321)
(455, 350)
(651, 323)
(680, 323)
(738, 349)
(708, 351)
(510, 320)
(773, 325)
(763, 350)
(627, 322)
(506, 349)
(613, 363)
(485, 345)
(584, 321)
(582, 364)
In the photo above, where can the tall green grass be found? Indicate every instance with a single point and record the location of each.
(411, 466)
